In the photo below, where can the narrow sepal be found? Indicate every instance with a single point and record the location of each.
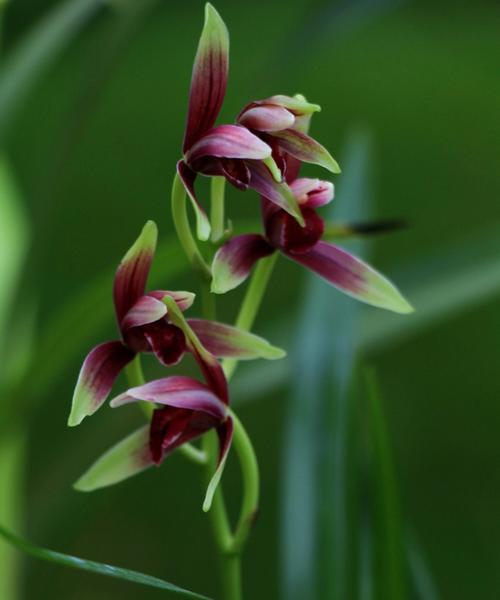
(210, 366)
(225, 435)
(209, 78)
(234, 261)
(132, 273)
(125, 459)
(188, 176)
(184, 300)
(226, 341)
(306, 149)
(352, 276)
(177, 391)
(96, 378)
(228, 141)
(267, 117)
(263, 182)
(312, 193)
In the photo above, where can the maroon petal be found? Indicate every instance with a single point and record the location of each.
(305, 148)
(352, 276)
(167, 341)
(177, 391)
(97, 376)
(146, 310)
(132, 273)
(263, 182)
(188, 177)
(184, 300)
(234, 261)
(228, 141)
(209, 79)
(267, 118)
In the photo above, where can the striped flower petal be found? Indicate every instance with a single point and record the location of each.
(228, 141)
(312, 193)
(296, 104)
(184, 300)
(177, 391)
(146, 310)
(267, 117)
(187, 177)
(209, 79)
(225, 341)
(97, 376)
(132, 273)
(305, 148)
(234, 261)
(225, 435)
(125, 459)
(353, 277)
(263, 182)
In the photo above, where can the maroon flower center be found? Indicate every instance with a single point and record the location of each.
(283, 231)
(167, 341)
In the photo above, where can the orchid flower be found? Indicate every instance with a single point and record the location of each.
(231, 151)
(146, 327)
(234, 260)
(185, 410)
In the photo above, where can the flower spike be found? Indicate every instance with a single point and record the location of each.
(209, 79)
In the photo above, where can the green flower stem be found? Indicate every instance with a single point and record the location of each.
(251, 485)
(135, 377)
(218, 185)
(251, 303)
(181, 222)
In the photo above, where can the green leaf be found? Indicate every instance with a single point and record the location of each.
(95, 567)
(39, 49)
(390, 565)
(123, 460)
(318, 456)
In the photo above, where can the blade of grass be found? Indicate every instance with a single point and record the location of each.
(95, 567)
(317, 457)
(390, 566)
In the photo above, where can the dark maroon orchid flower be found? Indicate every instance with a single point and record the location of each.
(282, 122)
(185, 410)
(146, 325)
(233, 261)
(231, 151)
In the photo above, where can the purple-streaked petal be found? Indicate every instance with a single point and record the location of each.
(225, 435)
(226, 341)
(146, 310)
(209, 78)
(228, 141)
(184, 300)
(234, 261)
(267, 117)
(312, 193)
(263, 182)
(97, 376)
(210, 366)
(167, 341)
(177, 391)
(353, 277)
(125, 459)
(188, 176)
(132, 273)
(306, 149)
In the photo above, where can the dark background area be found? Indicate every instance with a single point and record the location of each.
(94, 150)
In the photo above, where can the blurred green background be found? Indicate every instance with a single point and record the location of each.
(93, 148)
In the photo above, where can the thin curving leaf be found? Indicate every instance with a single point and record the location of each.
(318, 455)
(390, 565)
(39, 49)
(91, 566)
